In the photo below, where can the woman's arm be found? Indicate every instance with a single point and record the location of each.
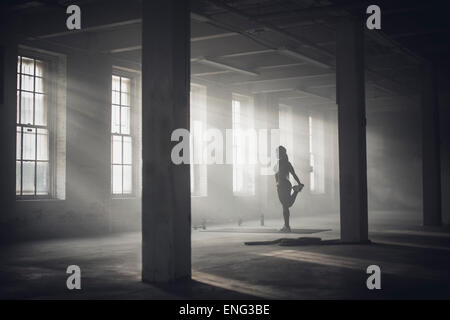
(292, 171)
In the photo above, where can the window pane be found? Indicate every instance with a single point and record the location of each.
(42, 144)
(116, 97)
(40, 110)
(117, 179)
(125, 120)
(42, 178)
(18, 64)
(115, 124)
(27, 66)
(27, 83)
(117, 150)
(125, 85)
(127, 179)
(18, 177)
(18, 142)
(125, 99)
(115, 83)
(39, 68)
(27, 108)
(28, 178)
(127, 150)
(29, 144)
(39, 85)
(18, 107)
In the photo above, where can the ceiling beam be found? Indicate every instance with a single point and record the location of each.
(246, 53)
(214, 36)
(282, 79)
(274, 90)
(221, 65)
(202, 74)
(328, 85)
(279, 66)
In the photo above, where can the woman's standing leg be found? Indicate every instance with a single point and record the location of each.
(286, 217)
(284, 194)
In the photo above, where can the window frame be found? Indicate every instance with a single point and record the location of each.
(51, 67)
(134, 77)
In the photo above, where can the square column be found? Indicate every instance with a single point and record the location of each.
(8, 102)
(352, 130)
(431, 165)
(166, 199)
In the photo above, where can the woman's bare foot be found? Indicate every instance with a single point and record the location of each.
(285, 229)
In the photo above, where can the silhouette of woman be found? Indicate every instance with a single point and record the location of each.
(282, 170)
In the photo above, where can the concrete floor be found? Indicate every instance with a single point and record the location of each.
(414, 262)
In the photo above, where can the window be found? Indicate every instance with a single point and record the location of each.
(33, 137)
(316, 155)
(244, 146)
(122, 173)
(199, 181)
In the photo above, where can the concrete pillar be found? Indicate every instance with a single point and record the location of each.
(443, 76)
(431, 168)
(8, 69)
(352, 130)
(166, 206)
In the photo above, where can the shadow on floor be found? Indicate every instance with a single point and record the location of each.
(264, 230)
(289, 242)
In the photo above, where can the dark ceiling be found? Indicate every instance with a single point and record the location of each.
(284, 47)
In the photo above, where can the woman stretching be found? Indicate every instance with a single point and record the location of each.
(282, 170)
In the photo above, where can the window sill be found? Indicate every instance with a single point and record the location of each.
(39, 200)
(124, 197)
